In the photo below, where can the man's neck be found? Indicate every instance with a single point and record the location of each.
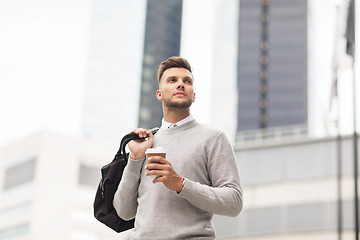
(175, 115)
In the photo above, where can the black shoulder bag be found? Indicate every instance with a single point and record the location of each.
(111, 175)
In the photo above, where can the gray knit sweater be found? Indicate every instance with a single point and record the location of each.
(205, 158)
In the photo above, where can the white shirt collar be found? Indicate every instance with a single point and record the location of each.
(166, 125)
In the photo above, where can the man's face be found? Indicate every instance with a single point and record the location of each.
(176, 88)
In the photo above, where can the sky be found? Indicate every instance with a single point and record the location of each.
(43, 58)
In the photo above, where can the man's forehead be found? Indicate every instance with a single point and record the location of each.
(175, 71)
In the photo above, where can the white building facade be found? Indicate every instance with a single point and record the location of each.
(114, 69)
(291, 190)
(48, 184)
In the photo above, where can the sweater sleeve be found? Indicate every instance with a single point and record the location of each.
(225, 195)
(125, 198)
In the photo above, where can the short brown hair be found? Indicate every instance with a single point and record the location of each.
(173, 62)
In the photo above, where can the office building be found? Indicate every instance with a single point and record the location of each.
(162, 40)
(48, 183)
(212, 52)
(272, 64)
(47, 187)
(294, 188)
(110, 105)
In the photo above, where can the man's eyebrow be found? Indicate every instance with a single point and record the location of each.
(171, 76)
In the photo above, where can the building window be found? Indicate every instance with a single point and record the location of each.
(19, 174)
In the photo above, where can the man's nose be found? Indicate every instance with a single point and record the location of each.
(181, 85)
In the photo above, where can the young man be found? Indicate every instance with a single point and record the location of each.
(198, 178)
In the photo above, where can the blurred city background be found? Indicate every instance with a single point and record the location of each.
(277, 76)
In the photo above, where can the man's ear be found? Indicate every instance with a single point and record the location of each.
(159, 95)
(193, 100)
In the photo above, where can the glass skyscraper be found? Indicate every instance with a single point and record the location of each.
(272, 64)
(162, 40)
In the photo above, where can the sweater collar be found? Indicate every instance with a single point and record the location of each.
(166, 125)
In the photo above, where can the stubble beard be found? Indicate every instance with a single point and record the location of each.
(171, 104)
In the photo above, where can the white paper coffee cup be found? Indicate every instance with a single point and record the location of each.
(150, 152)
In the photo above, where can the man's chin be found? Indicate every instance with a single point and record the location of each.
(179, 105)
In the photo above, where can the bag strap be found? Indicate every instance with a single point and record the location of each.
(127, 138)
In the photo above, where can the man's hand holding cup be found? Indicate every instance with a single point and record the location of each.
(161, 169)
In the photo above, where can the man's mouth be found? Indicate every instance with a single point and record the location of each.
(180, 94)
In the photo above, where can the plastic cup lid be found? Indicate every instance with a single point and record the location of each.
(155, 150)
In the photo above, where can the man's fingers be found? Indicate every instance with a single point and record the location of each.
(141, 132)
(157, 159)
(155, 172)
(158, 179)
(156, 166)
(137, 147)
